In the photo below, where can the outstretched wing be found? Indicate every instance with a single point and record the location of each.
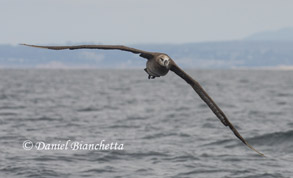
(144, 54)
(208, 100)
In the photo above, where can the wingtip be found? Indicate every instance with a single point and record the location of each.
(35, 46)
(261, 154)
(237, 134)
(23, 44)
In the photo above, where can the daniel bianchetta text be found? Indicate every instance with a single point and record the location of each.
(72, 145)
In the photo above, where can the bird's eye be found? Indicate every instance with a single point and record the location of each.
(162, 59)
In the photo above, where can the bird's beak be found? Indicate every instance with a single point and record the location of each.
(166, 62)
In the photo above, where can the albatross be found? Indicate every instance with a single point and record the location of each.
(157, 65)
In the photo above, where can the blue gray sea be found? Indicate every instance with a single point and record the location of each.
(165, 129)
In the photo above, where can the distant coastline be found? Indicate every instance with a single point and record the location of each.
(207, 55)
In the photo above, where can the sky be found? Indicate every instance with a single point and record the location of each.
(138, 21)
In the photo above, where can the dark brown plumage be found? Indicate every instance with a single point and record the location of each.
(159, 64)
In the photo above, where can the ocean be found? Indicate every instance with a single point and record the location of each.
(117, 123)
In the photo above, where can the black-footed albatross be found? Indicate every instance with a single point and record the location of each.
(159, 64)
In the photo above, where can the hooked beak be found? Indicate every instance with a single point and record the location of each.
(166, 62)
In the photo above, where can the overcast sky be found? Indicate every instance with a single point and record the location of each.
(138, 21)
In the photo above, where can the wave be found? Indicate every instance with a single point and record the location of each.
(276, 141)
(106, 169)
(275, 138)
(93, 109)
(125, 126)
(11, 107)
(7, 114)
(109, 156)
(136, 118)
(160, 135)
(24, 171)
(266, 175)
(44, 118)
(89, 109)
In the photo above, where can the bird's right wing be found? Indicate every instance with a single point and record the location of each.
(208, 100)
(144, 54)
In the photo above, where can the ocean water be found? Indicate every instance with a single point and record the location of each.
(161, 127)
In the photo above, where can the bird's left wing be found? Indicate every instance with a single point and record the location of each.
(144, 54)
(208, 100)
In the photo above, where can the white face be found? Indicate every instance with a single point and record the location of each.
(164, 60)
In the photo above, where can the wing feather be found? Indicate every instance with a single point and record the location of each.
(208, 100)
(144, 54)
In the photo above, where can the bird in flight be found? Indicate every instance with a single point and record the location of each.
(157, 65)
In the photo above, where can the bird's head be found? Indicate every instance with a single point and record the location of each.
(164, 60)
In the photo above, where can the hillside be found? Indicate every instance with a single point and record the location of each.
(194, 55)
